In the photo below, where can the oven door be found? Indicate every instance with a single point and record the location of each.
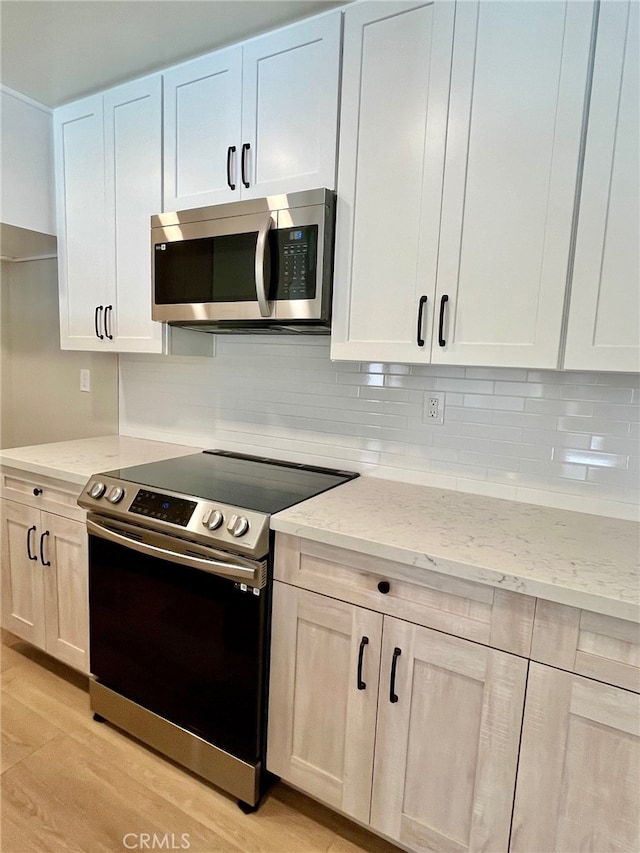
(181, 630)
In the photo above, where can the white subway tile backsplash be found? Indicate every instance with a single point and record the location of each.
(551, 437)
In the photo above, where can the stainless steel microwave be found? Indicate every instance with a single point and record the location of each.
(256, 265)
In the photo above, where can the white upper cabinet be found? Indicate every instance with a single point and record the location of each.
(255, 119)
(463, 189)
(108, 170)
(133, 181)
(604, 314)
(393, 117)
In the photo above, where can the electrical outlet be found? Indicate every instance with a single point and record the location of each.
(433, 407)
(85, 380)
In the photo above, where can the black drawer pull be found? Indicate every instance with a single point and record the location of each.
(230, 150)
(384, 587)
(29, 532)
(37, 492)
(361, 684)
(246, 147)
(421, 304)
(443, 301)
(42, 559)
(107, 326)
(393, 696)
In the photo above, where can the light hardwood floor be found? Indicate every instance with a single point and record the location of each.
(71, 784)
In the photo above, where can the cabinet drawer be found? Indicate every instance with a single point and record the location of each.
(494, 617)
(44, 493)
(590, 644)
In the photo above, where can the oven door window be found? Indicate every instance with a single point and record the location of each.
(208, 269)
(183, 643)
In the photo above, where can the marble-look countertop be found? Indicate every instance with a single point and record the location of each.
(75, 461)
(572, 558)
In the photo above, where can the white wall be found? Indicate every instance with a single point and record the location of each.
(556, 438)
(40, 397)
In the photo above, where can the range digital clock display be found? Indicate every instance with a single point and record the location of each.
(163, 507)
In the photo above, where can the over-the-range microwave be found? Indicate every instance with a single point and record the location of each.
(256, 265)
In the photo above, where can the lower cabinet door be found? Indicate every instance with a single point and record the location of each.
(64, 553)
(449, 723)
(22, 579)
(579, 773)
(325, 658)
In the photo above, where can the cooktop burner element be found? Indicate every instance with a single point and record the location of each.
(215, 497)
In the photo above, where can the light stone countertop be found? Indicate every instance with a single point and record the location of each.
(75, 461)
(567, 557)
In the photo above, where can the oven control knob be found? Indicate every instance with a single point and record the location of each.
(97, 490)
(115, 494)
(215, 520)
(239, 526)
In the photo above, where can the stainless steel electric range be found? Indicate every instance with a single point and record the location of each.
(180, 576)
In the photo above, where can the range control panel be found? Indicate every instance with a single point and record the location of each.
(202, 521)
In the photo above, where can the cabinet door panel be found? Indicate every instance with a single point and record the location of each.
(518, 85)
(66, 583)
(22, 582)
(201, 120)
(579, 772)
(82, 251)
(321, 726)
(290, 108)
(604, 316)
(447, 749)
(394, 107)
(133, 146)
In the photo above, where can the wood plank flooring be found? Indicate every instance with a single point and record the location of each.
(71, 784)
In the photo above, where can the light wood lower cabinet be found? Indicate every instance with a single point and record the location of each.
(579, 777)
(443, 713)
(45, 582)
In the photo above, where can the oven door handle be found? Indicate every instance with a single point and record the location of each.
(251, 576)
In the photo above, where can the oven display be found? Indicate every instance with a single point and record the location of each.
(163, 507)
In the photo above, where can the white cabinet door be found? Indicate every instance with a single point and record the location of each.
(325, 658)
(202, 123)
(133, 179)
(449, 720)
(82, 243)
(66, 585)
(604, 315)
(579, 771)
(22, 580)
(518, 84)
(396, 66)
(290, 88)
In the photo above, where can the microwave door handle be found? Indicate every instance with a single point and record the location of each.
(262, 285)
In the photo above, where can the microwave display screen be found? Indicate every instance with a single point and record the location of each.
(294, 255)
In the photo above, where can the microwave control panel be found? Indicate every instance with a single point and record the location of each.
(296, 262)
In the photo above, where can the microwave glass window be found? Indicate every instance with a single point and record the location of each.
(234, 273)
(294, 252)
(184, 271)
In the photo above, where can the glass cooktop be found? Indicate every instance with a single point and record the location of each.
(249, 482)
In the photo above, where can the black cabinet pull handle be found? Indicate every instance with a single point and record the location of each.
(246, 147)
(384, 587)
(99, 309)
(42, 559)
(393, 696)
(421, 304)
(443, 301)
(37, 492)
(363, 642)
(29, 532)
(230, 150)
(107, 326)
